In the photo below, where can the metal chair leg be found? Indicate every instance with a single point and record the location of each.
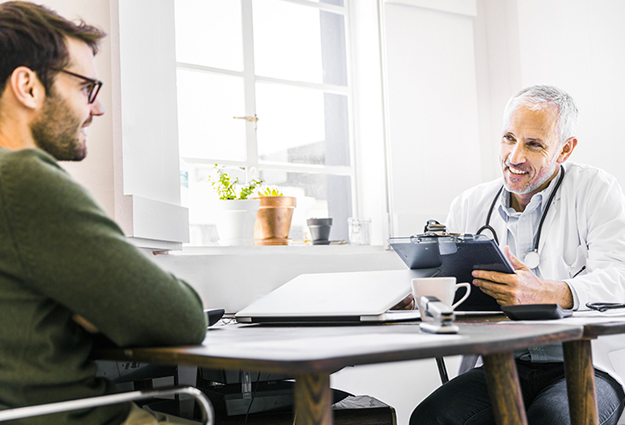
(64, 406)
(442, 369)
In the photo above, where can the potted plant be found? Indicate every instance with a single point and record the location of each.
(235, 213)
(273, 221)
(320, 230)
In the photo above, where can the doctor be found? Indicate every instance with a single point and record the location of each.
(562, 225)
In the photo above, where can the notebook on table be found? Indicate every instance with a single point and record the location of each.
(336, 298)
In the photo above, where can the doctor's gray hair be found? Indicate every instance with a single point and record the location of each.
(541, 96)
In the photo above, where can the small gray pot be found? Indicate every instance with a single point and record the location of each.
(320, 230)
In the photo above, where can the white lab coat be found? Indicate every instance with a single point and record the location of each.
(585, 227)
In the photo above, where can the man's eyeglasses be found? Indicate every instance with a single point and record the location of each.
(93, 86)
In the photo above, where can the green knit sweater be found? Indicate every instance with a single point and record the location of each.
(61, 255)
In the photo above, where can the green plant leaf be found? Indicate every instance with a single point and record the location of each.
(270, 192)
(227, 187)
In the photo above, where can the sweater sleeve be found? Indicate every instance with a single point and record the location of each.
(73, 253)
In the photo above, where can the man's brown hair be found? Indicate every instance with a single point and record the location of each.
(32, 35)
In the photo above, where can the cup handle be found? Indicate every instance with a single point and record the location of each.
(466, 295)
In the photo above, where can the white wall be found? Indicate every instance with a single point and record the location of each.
(96, 171)
(433, 136)
(575, 45)
(233, 278)
(498, 74)
(579, 47)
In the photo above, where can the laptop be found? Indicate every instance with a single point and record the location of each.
(336, 298)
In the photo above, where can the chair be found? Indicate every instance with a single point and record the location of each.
(64, 406)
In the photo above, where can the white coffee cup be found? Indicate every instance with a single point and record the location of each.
(443, 288)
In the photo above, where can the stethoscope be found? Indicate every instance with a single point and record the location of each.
(532, 259)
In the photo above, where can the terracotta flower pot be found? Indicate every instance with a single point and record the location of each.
(273, 220)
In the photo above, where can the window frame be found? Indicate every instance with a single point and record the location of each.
(252, 164)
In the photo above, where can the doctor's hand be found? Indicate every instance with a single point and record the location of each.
(522, 287)
(405, 304)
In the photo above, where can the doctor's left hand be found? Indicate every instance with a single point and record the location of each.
(522, 287)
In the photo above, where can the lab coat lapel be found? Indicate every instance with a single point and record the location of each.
(553, 211)
(551, 214)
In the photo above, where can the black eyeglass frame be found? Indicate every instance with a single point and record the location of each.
(94, 88)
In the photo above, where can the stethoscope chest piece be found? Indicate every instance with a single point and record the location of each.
(532, 259)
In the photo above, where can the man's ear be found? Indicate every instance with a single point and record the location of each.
(567, 149)
(26, 87)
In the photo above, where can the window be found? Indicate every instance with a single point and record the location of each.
(263, 90)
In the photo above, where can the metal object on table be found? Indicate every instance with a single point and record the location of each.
(441, 314)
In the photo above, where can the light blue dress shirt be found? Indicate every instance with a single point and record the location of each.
(521, 236)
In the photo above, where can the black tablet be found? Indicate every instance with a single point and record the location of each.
(457, 256)
(536, 312)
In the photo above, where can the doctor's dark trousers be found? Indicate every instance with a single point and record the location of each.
(464, 400)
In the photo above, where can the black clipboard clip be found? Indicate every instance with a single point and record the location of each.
(433, 227)
(434, 230)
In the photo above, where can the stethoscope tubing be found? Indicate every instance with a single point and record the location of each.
(487, 226)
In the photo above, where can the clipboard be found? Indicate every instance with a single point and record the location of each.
(455, 255)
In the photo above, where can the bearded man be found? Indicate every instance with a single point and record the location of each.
(68, 278)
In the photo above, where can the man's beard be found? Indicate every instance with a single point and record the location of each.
(57, 130)
(533, 186)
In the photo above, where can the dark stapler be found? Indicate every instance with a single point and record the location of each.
(213, 315)
(441, 314)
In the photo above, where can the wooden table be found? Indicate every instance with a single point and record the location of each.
(578, 364)
(580, 374)
(311, 354)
